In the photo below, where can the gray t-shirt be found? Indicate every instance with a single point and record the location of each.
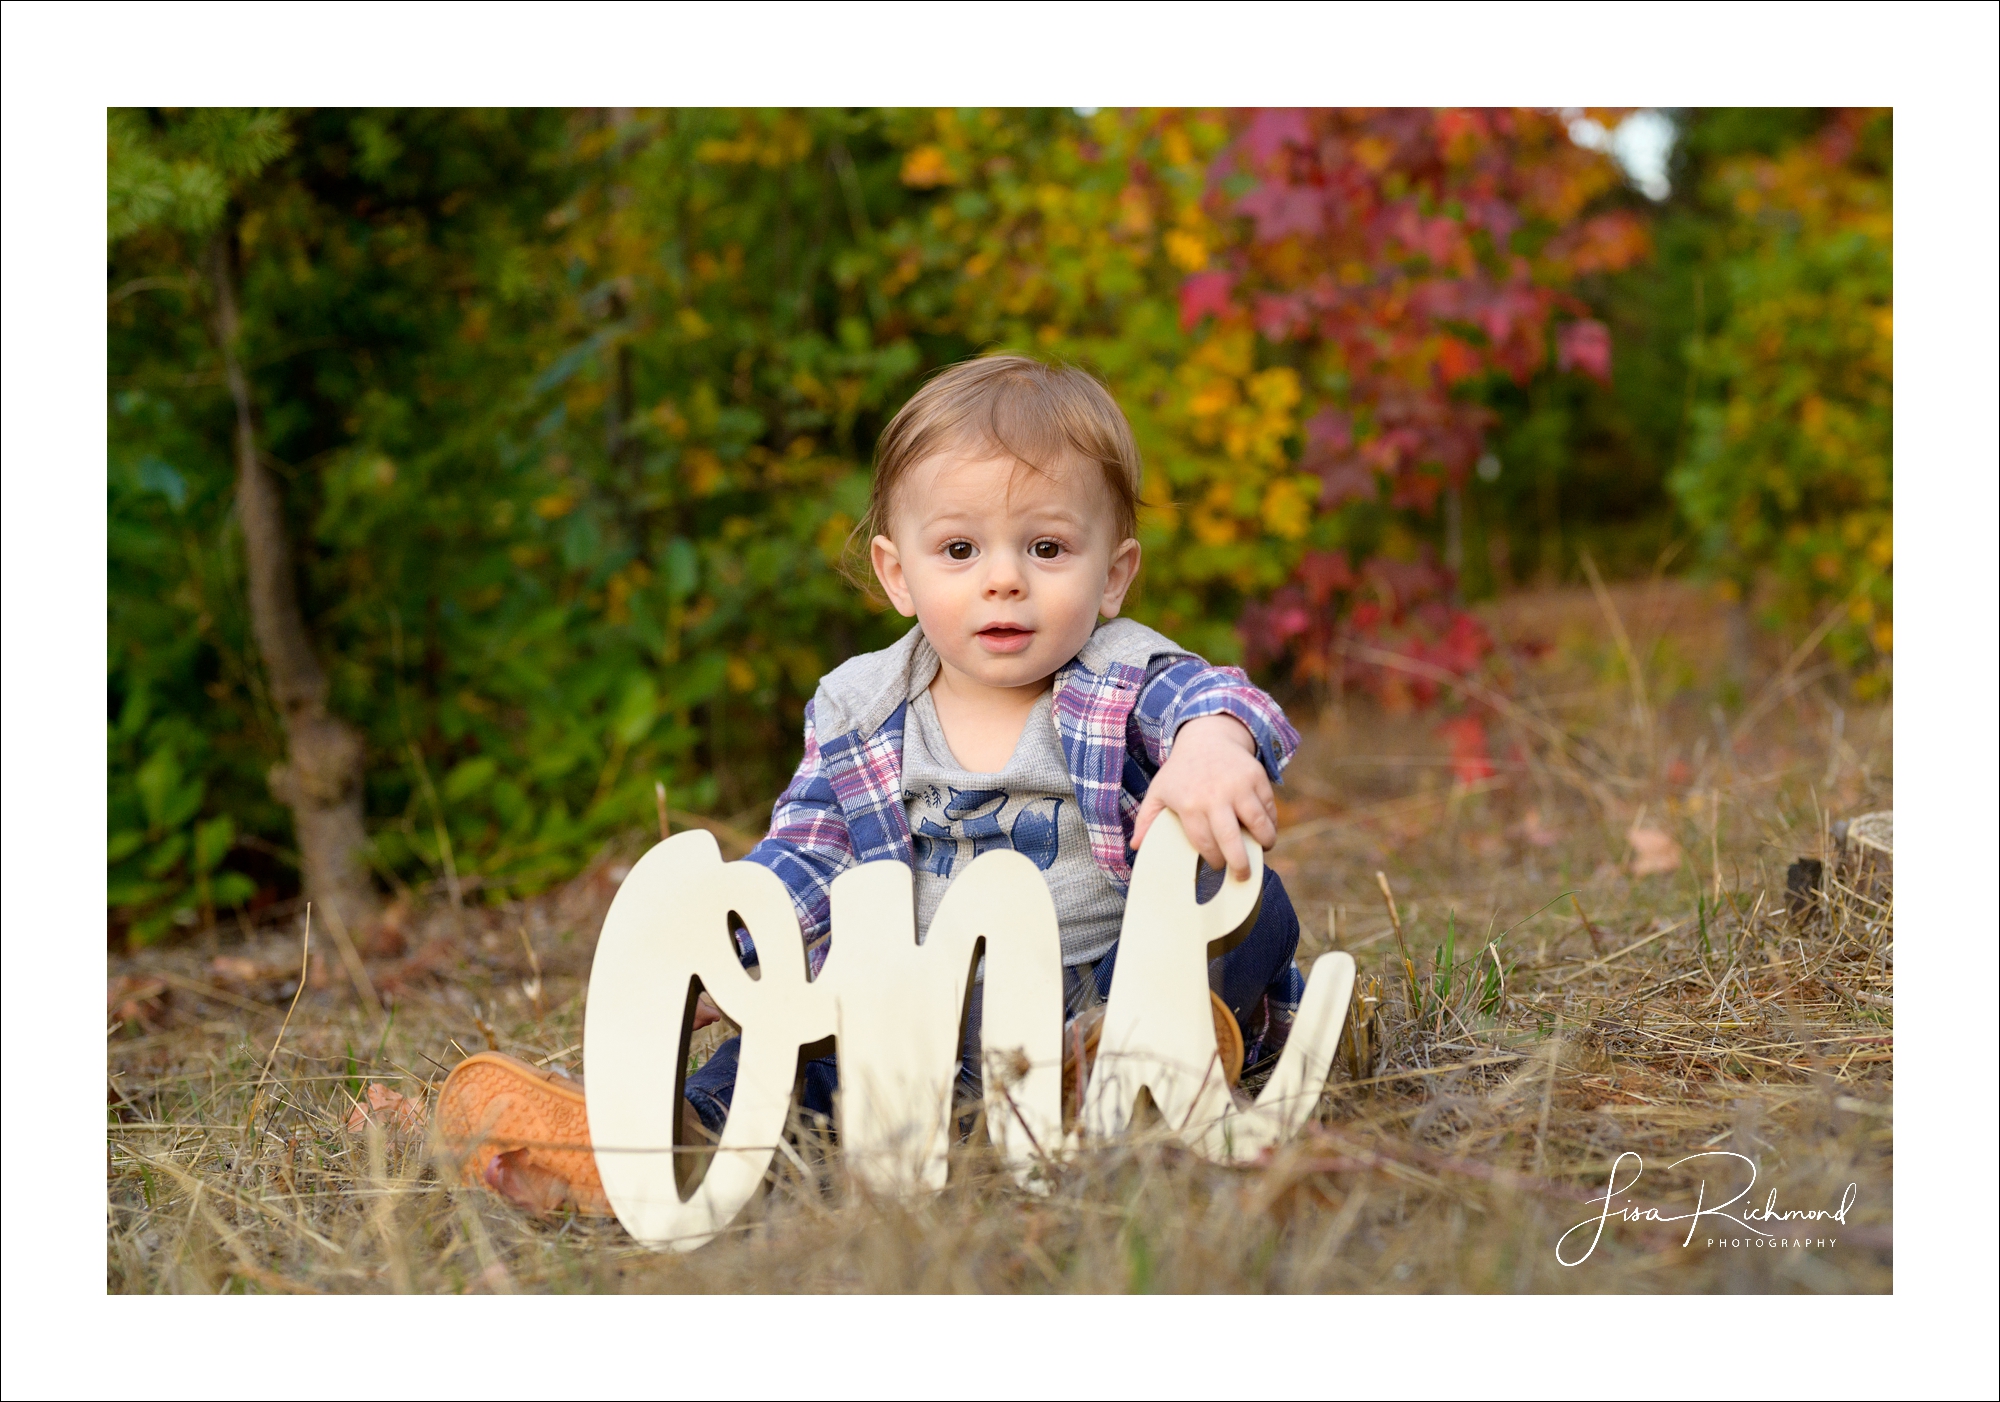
(1029, 806)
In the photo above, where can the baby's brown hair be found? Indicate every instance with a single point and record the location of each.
(1037, 414)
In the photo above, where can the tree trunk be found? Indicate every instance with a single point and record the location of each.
(321, 778)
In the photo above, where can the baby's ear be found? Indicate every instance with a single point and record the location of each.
(888, 564)
(1124, 570)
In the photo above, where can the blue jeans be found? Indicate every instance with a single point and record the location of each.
(1256, 978)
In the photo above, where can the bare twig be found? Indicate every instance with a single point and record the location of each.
(212, 993)
(1596, 939)
(1642, 711)
(1396, 923)
(305, 964)
(350, 959)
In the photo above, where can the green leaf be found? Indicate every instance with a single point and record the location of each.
(157, 475)
(681, 568)
(468, 778)
(123, 845)
(232, 888)
(128, 894)
(157, 780)
(212, 841)
(133, 715)
(637, 709)
(153, 928)
(165, 857)
(184, 802)
(699, 680)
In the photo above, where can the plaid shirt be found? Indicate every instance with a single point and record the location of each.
(1116, 707)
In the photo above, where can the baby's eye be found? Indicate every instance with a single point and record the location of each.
(1046, 549)
(959, 550)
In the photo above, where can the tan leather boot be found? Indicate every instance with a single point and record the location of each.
(1081, 1037)
(522, 1132)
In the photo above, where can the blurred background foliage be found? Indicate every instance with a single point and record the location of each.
(572, 413)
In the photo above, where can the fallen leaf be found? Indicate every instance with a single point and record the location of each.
(390, 1109)
(1533, 831)
(234, 968)
(1653, 852)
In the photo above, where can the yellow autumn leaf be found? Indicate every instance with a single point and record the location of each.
(1374, 153)
(1186, 251)
(1287, 511)
(704, 471)
(832, 536)
(1212, 398)
(1233, 352)
(926, 168)
(667, 417)
(1135, 211)
(726, 152)
(616, 593)
(1212, 520)
(1277, 389)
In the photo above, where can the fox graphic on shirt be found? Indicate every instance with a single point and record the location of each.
(983, 818)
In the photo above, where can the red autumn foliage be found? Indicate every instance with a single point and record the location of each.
(1585, 346)
(1386, 607)
(1403, 241)
(1408, 255)
(1466, 734)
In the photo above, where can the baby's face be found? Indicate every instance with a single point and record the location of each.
(1006, 569)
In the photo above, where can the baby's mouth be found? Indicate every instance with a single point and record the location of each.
(1005, 637)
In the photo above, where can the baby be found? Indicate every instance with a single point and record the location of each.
(1022, 711)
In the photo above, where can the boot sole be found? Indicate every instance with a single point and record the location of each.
(494, 1104)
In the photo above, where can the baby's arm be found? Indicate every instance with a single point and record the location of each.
(1214, 785)
(808, 845)
(1222, 743)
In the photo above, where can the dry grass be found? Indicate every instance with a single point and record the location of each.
(1664, 1015)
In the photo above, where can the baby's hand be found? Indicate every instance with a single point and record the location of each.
(1214, 784)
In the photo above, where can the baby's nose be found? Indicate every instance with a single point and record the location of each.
(1005, 581)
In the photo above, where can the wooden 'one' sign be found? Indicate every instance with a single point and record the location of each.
(894, 1009)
